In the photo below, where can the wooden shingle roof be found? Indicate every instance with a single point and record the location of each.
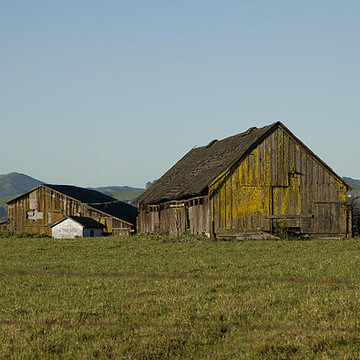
(118, 209)
(192, 174)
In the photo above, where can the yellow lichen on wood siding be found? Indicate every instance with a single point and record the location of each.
(267, 163)
(287, 200)
(243, 172)
(342, 191)
(242, 199)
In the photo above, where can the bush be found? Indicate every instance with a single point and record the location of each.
(6, 235)
(165, 237)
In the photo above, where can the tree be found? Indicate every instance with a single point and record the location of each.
(149, 183)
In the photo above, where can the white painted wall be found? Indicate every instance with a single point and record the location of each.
(67, 229)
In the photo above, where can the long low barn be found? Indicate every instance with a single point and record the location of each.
(261, 181)
(38, 209)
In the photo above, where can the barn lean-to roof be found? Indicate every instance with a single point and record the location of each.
(118, 209)
(193, 173)
(86, 222)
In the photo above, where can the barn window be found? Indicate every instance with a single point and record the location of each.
(33, 200)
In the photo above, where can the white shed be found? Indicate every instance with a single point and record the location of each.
(76, 226)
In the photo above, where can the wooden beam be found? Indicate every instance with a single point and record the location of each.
(289, 217)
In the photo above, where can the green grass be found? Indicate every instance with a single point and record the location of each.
(161, 297)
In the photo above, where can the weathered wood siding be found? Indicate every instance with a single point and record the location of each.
(280, 184)
(175, 217)
(36, 211)
(4, 226)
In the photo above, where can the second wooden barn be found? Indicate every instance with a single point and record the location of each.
(262, 181)
(38, 209)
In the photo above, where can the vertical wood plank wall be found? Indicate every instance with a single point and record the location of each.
(279, 178)
(175, 216)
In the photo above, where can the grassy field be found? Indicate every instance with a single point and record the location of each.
(164, 297)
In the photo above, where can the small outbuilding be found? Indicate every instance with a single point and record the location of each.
(76, 226)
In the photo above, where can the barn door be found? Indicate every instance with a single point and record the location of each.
(286, 206)
(179, 216)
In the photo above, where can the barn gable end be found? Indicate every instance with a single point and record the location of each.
(280, 186)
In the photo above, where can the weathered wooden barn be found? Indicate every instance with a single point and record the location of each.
(36, 210)
(262, 181)
(76, 226)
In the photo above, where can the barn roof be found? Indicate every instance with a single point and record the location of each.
(118, 209)
(86, 196)
(192, 174)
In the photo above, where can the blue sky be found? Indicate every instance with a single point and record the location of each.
(114, 92)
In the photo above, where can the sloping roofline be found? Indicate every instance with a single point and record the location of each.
(296, 139)
(105, 213)
(23, 194)
(314, 155)
(56, 188)
(77, 219)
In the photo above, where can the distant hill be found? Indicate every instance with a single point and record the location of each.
(355, 184)
(14, 184)
(352, 182)
(123, 193)
(116, 188)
